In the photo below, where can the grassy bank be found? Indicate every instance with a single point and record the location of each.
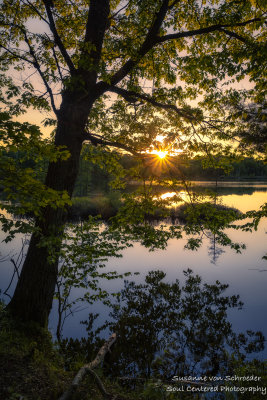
(31, 367)
(34, 368)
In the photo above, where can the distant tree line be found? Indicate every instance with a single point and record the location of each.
(93, 178)
(248, 168)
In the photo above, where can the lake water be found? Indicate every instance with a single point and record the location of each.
(245, 273)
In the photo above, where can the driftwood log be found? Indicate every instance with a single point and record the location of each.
(88, 368)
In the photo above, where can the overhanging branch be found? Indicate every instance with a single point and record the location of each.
(153, 39)
(202, 31)
(132, 96)
(96, 139)
(236, 36)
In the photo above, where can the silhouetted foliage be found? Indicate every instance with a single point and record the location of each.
(165, 329)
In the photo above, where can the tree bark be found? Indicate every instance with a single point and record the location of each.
(33, 296)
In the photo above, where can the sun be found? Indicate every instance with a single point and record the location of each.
(161, 154)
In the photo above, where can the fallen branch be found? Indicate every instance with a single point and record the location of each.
(99, 384)
(88, 368)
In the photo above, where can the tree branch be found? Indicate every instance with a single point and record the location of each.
(95, 140)
(152, 39)
(38, 67)
(132, 96)
(36, 11)
(202, 31)
(15, 55)
(100, 384)
(97, 23)
(117, 12)
(57, 38)
(147, 45)
(88, 367)
(57, 63)
(15, 271)
(173, 4)
(236, 36)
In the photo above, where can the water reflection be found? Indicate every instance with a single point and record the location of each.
(240, 197)
(239, 270)
(214, 250)
(166, 329)
(180, 198)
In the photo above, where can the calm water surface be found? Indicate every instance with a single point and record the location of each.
(245, 273)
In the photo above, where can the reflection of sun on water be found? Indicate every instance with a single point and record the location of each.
(167, 195)
(182, 195)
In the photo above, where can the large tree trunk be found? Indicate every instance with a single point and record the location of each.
(33, 296)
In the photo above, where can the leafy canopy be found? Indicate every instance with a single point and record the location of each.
(143, 69)
(174, 65)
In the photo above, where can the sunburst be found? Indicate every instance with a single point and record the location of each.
(161, 154)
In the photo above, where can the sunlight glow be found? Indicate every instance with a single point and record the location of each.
(181, 197)
(167, 195)
(161, 154)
